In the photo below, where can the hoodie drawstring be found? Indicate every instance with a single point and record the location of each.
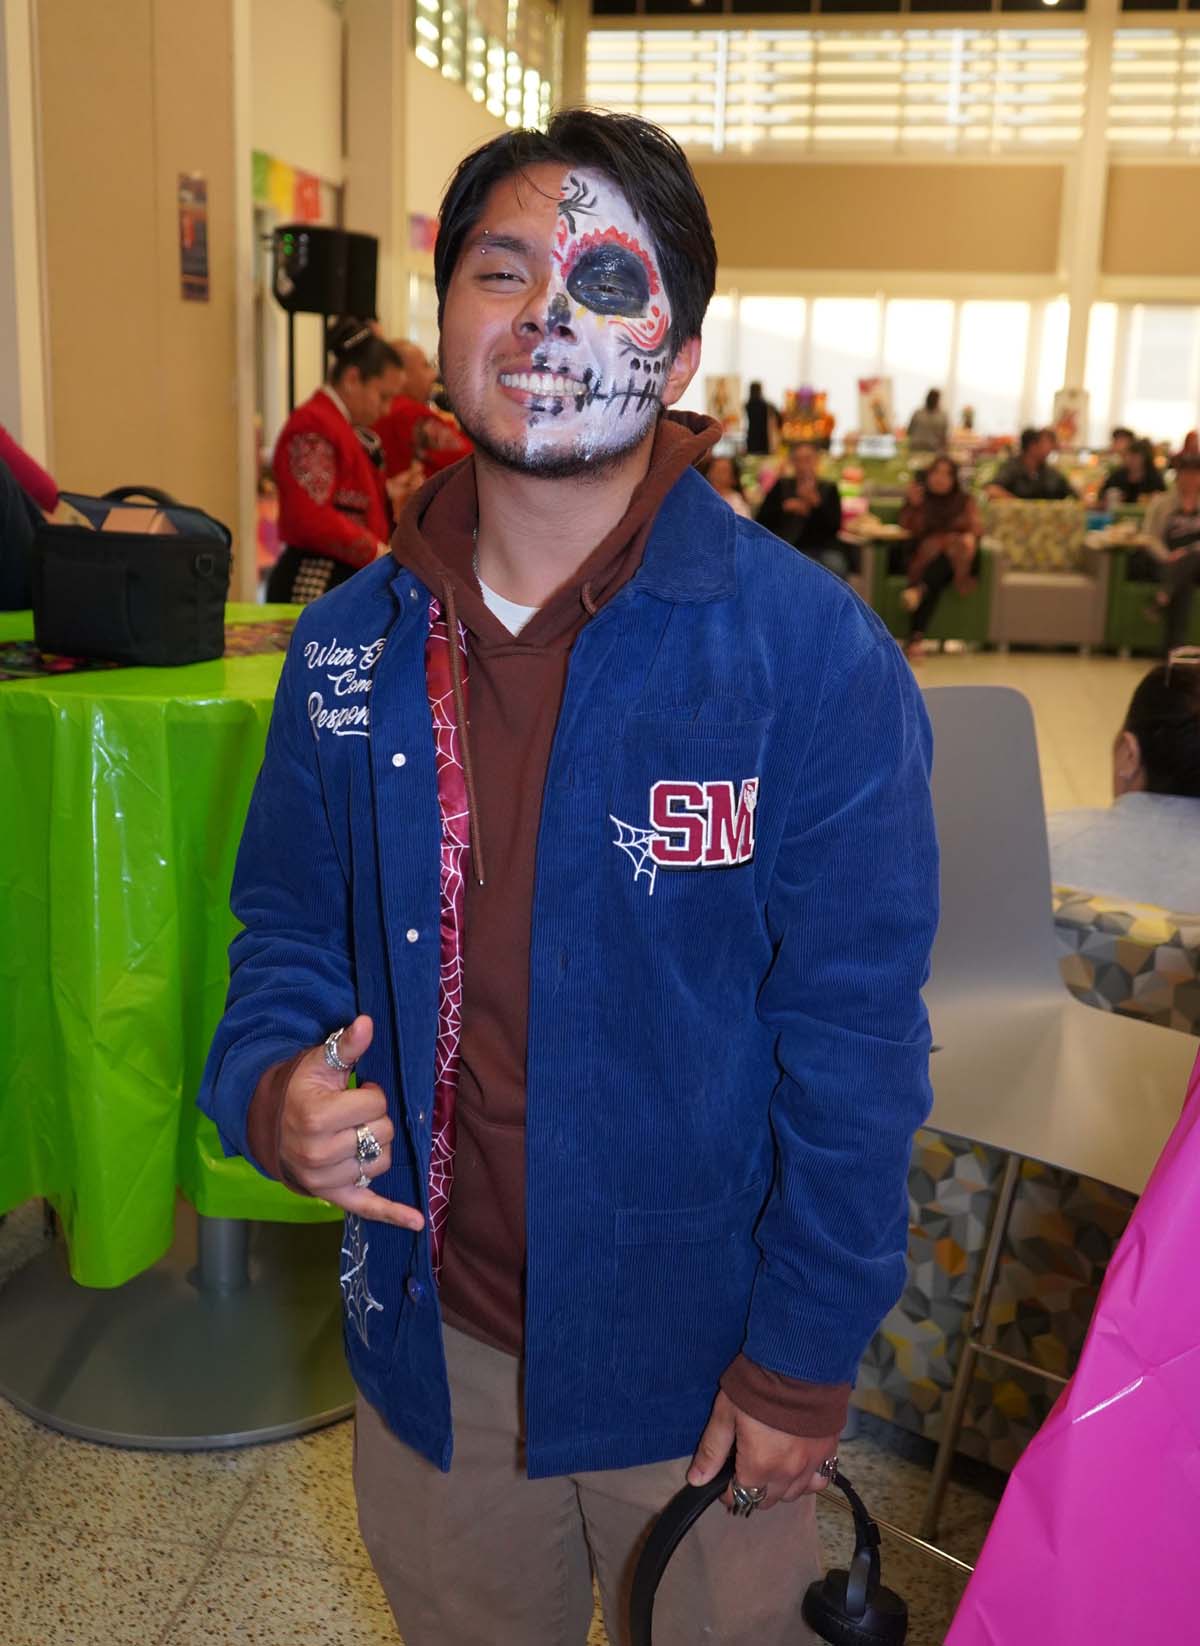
(460, 720)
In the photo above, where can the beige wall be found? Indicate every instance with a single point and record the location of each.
(1152, 222)
(22, 363)
(142, 383)
(296, 82)
(954, 218)
(443, 123)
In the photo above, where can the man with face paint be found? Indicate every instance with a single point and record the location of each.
(611, 869)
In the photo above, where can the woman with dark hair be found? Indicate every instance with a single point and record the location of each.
(724, 477)
(1145, 845)
(944, 522)
(333, 506)
(1137, 476)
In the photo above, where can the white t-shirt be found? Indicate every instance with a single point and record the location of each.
(513, 617)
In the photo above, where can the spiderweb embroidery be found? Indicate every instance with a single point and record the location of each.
(356, 1293)
(452, 803)
(637, 844)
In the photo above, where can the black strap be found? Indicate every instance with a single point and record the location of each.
(676, 1520)
(122, 494)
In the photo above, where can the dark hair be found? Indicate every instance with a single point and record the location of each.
(1164, 716)
(933, 399)
(756, 392)
(1187, 462)
(354, 343)
(649, 168)
(1144, 450)
(948, 462)
(1121, 432)
(1030, 437)
(723, 457)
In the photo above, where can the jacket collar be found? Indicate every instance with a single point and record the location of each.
(689, 558)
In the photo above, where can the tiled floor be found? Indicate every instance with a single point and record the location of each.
(109, 1548)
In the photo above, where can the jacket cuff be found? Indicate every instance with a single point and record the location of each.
(810, 1410)
(264, 1120)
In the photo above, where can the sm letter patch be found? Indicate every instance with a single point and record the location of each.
(692, 826)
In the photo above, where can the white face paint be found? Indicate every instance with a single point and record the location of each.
(556, 353)
(608, 320)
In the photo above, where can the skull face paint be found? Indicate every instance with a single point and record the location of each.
(564, 285)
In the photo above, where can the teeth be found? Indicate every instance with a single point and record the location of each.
(543, 383)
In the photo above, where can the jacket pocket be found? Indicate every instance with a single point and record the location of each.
(683, 1281)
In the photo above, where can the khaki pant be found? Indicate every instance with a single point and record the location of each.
(484, 1557)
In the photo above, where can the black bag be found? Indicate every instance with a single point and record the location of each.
(132, 597)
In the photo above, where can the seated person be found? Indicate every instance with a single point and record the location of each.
(1137, 476)
(1146, 845)
(26, 492)
(1028, 476)
(414, 434)
(1172, 527)
(944, 523)
(806, 512)
(724, 476)
(1119, 442)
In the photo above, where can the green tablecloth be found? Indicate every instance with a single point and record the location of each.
(122, 798)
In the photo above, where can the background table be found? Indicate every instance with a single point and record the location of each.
(124, 794)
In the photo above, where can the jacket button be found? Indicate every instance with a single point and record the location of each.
(399, 759)
(412, 934)
(415, 1290)
(412, 594)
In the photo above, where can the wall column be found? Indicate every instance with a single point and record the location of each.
(573, 16)
(1082, 228)
(23, 409)
(377, 63)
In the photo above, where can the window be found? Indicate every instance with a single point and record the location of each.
(1098, 372)
(1154, 102)
(1050, 353)
(834, 90)
(502, 51)
(1158, 397)
(917, 339)
(992, 339)
(770, 343)
(717, 350)
(844, 347)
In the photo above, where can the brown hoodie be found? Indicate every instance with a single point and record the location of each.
(516, 686)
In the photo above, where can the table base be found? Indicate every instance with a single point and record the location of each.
(248, 1352)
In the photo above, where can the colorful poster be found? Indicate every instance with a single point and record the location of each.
(723, 400)
(260, 177)
(1071, 416)
(875, 415)
(193, 237)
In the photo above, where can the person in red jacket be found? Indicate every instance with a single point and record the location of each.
(333, 504)
(417, 439)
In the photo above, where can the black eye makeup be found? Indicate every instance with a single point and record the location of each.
(610, 279)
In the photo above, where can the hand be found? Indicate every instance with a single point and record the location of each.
(1178, 554)
(787, 1465)
(400, 487)
(317, 1137)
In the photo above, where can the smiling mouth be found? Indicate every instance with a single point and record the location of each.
(543, 383)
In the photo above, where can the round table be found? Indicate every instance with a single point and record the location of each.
(125, 795)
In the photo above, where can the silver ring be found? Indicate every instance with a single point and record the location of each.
(829, 1467)
(368, 1146)
(746, 1498)
(331, 1052)
(362, 1181)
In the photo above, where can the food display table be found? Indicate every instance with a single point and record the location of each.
(125, 791)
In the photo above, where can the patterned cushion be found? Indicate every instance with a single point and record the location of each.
(1037, 537)
(1131, 958)
(1124, 957)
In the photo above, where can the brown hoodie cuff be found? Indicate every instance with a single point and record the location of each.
(811, 1410)
(264, 1120)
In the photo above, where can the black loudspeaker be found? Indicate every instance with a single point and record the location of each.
(325, 271)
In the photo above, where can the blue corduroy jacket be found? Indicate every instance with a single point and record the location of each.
(735, 901)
